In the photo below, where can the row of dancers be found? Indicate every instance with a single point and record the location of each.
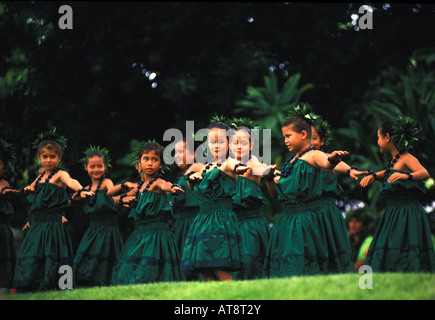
(220, 232)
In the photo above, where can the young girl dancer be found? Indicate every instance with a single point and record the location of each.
(402, 241)
(102, 242)
(310, 236)
(150, 254)
(248, 202)
(7, 245)
(47, 245)
(213, 245)
(185, 205)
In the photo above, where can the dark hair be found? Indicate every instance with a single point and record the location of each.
(387, 127)
(299, 124)
(320, 132)
(50, 145)
(244, 128)
(95, 153)
(151, 146)
(218, 125)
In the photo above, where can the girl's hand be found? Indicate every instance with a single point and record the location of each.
(127, 200)
(7, 190)
(64, 220)
(398, 176)
(338, 155)
(27, 225)
(355, 173)
(76, 197)
(29, 188)
(85, 194)
(269, 171)
(367, 180)
(241, 169)
(127, 186)
(195, 177)
(176, 190)
(276, 178)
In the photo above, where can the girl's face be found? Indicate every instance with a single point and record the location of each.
(294, 140)
(383, 141)
(49, 159)
(355, 226)
(95, 167)
(218, 143)
(315, 139)
(150, 163)
(240, 145)
(182, 156)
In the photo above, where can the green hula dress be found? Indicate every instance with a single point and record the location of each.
(101, 244)
(214, 239)
(254, 228)
(186, 208)
(310, 236)
(402, 241)
(7, 245)
(47, 244)
(150, 254)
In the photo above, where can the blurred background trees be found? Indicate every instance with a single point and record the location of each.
(129, 71)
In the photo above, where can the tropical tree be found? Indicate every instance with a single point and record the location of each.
(269, 105)
(396, 93)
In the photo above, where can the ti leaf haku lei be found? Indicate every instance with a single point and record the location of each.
(405, 134)
(50, 135)
(104, 151)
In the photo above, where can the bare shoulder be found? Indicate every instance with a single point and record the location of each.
(107, 183)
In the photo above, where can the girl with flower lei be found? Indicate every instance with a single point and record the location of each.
(402, 241)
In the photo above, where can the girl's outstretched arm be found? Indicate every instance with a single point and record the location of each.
(328, 163)
(271, 180)
(166, 186)
(417, 171)
(73, 184)
(343, 167)
(120, 188)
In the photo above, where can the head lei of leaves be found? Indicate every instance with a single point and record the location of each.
(236, 123)
(221, 118)
(97, 149)
(305, 111)
(166, 169)
(50, 135)
(405, 133)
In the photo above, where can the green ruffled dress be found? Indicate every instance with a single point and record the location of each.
(214, 239)
(150, 254)
(254, 228)
(7, 245)
(186, 208)
(402, 241)
(47, 244)
(101, 244)
(310, 236)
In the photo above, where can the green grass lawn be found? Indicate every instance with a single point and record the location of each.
(388, 286)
